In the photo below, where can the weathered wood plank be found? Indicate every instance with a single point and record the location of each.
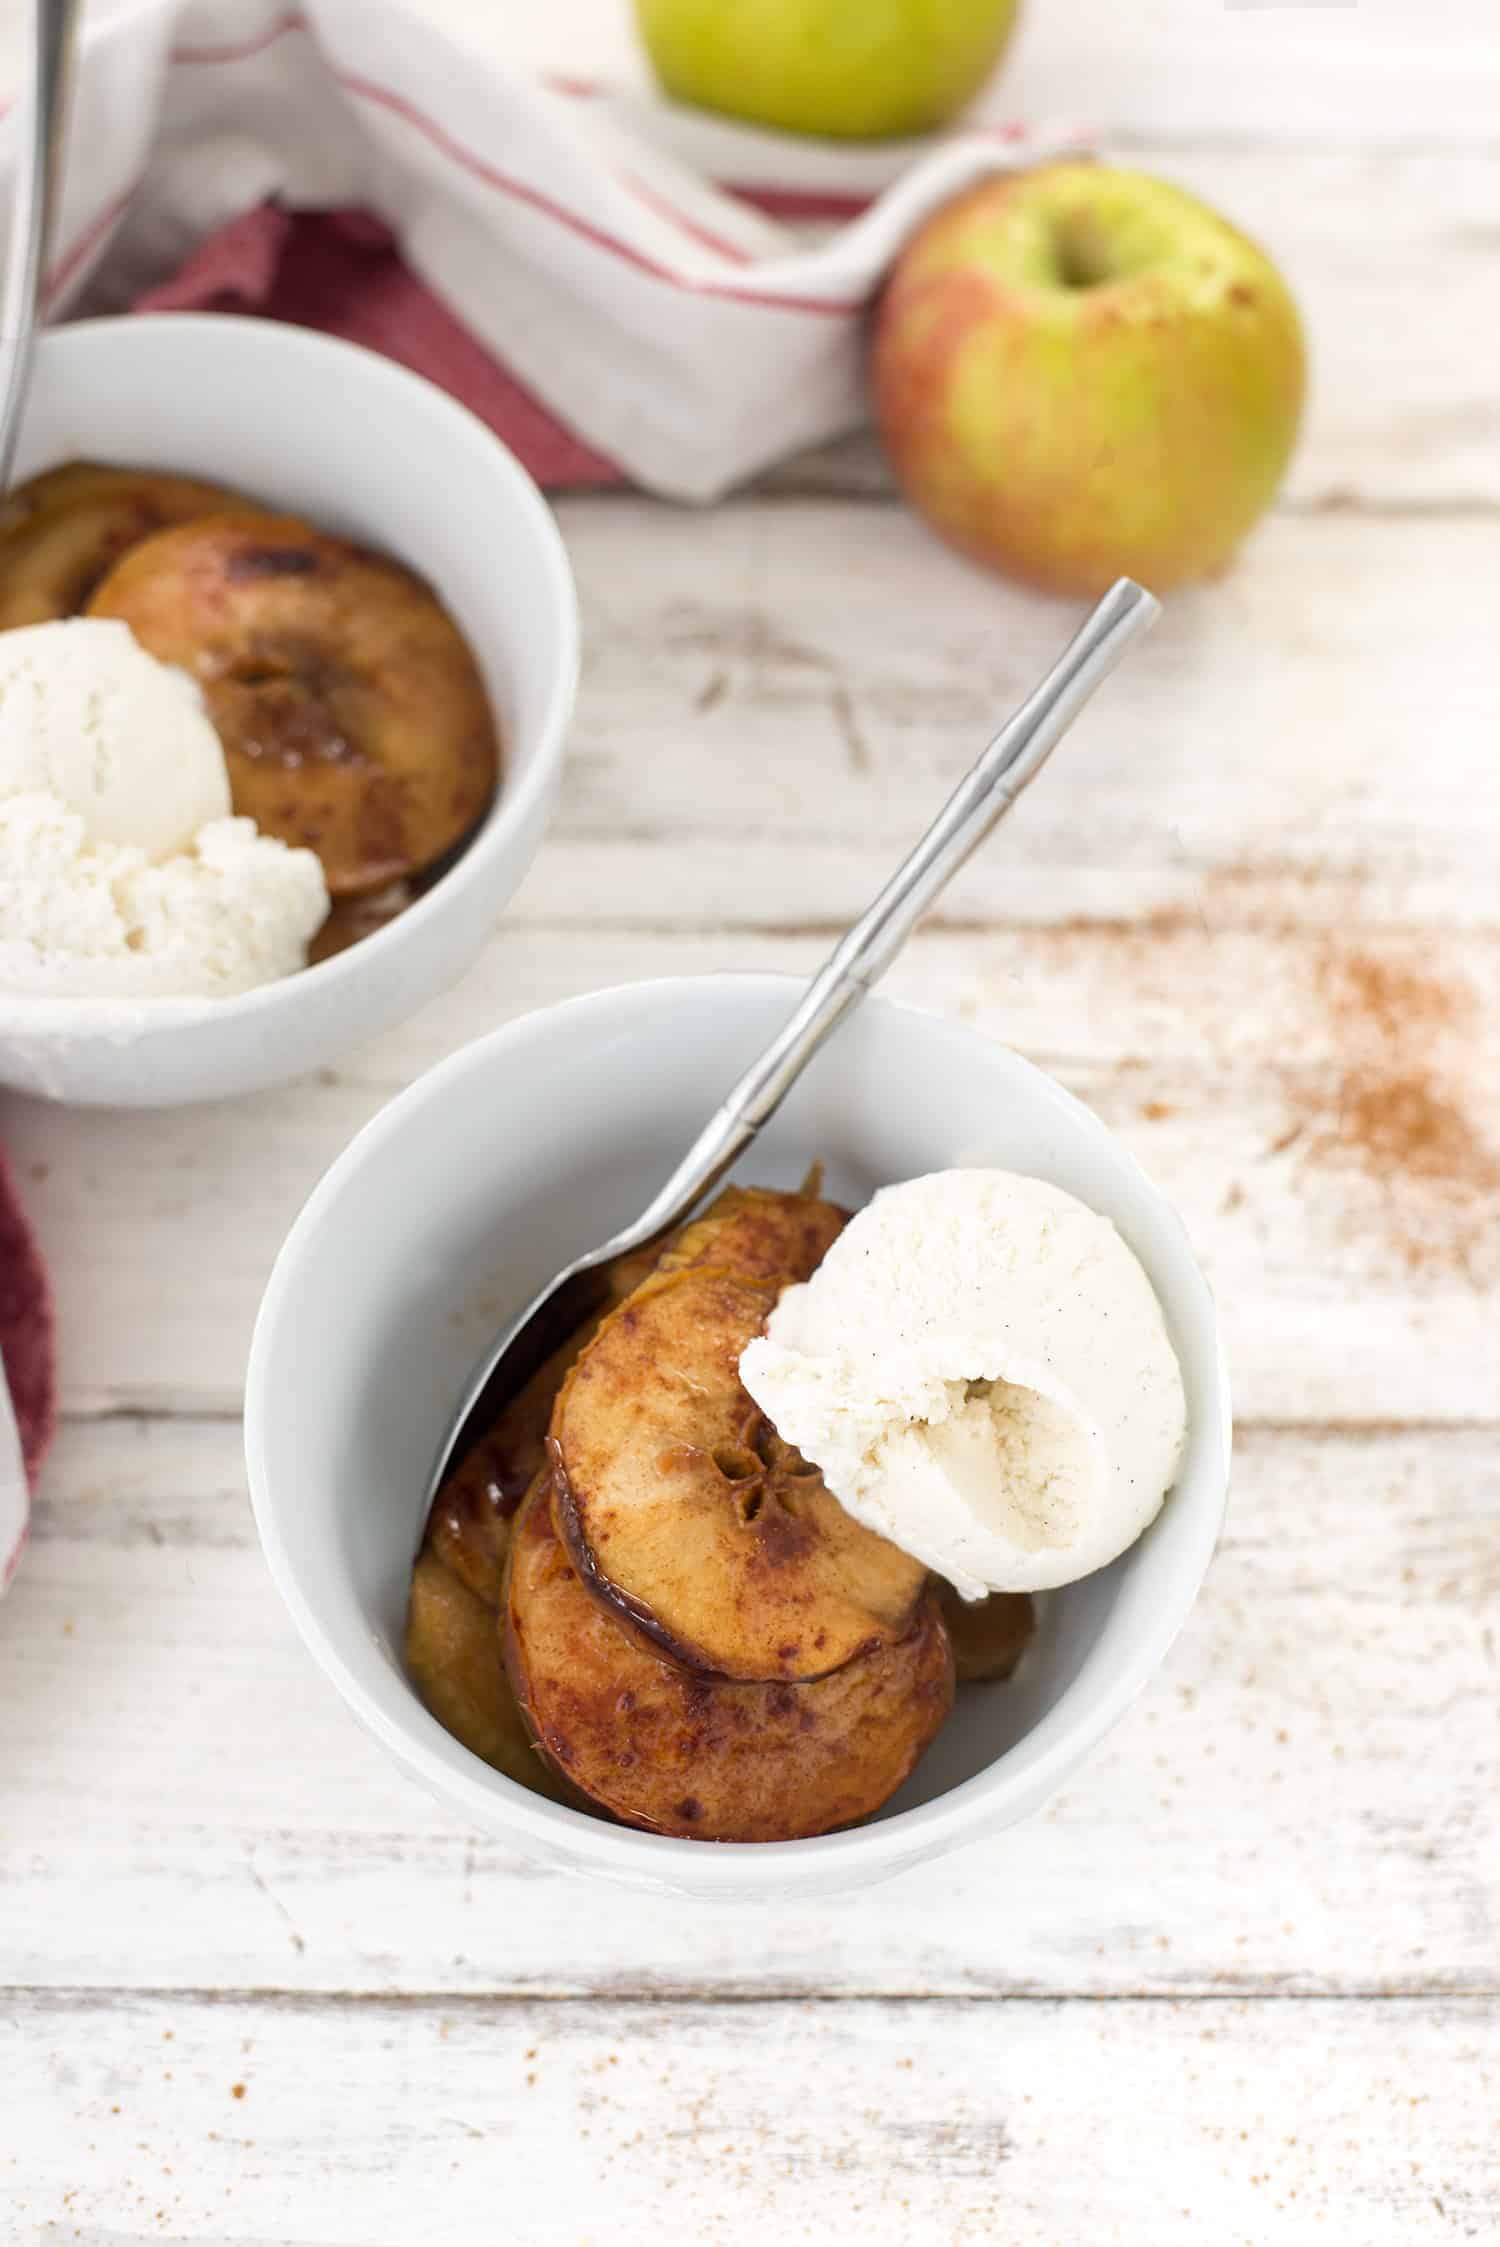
(1305, 1801)
(1320, 72)
(1035, 2123)
(1307, 740)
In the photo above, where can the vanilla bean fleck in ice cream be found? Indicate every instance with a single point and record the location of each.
(982, 1372)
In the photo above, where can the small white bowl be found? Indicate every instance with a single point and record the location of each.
(459, 1199)
(363, 448)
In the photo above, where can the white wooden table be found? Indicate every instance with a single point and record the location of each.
(1241, 1983)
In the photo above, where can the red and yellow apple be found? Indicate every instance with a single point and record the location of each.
(1080, 373)
(853, 69)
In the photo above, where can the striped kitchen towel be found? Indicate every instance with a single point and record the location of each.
(620, 287)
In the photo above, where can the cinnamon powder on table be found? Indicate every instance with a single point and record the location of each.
(1403, 1109)
(1405, 1114)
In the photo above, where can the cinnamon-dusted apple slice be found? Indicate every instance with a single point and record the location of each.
(660, 1747)
(680, 1505)
(989, 1635)
(467, 1527)
(453, 1655)
(758, 1233)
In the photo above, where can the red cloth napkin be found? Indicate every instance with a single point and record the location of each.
(340, 271)
(26, 1329)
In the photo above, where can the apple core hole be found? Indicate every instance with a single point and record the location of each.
(736, 1466)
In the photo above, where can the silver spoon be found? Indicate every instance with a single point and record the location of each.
(33, 212)
(979, 802)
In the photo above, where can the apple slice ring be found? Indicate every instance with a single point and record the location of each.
(660, 1747)
(62, 533)
(353, 717)
(761, 1234)
(468, 1527)
(683, 1510)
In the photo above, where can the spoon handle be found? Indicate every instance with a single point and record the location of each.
(859, 959)
(38, 185)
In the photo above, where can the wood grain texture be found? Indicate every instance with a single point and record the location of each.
(1306, 1800)
(1243, 2124)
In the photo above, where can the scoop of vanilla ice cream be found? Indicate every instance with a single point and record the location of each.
(100, 921)
(88, 717)
(981, 1370)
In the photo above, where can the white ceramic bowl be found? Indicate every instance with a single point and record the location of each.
(456, 1202)
(360, 446)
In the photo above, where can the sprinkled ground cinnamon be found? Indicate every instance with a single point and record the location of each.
(1388, 1000)
(1392, 1100)
(1401, 1111)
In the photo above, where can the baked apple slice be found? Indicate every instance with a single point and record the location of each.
(453, 1649)
(680, 1505)
(353, 716)
(989, 1635)
(61, 533)
(660, 1747)
(761, 1234)
(453, 1656)
(468, 1528)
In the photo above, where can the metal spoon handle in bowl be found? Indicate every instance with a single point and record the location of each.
(1013, 758)
(859, 959)
(42, 131)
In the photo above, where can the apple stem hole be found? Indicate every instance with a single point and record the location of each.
(1083, 258)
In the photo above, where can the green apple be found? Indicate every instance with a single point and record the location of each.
(853, 69)
(1079, 372)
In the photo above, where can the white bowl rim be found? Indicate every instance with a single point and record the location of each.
(1032, 1768)
(515, 800)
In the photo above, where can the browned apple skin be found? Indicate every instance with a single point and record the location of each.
(664, 1748)
(681, 1507)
